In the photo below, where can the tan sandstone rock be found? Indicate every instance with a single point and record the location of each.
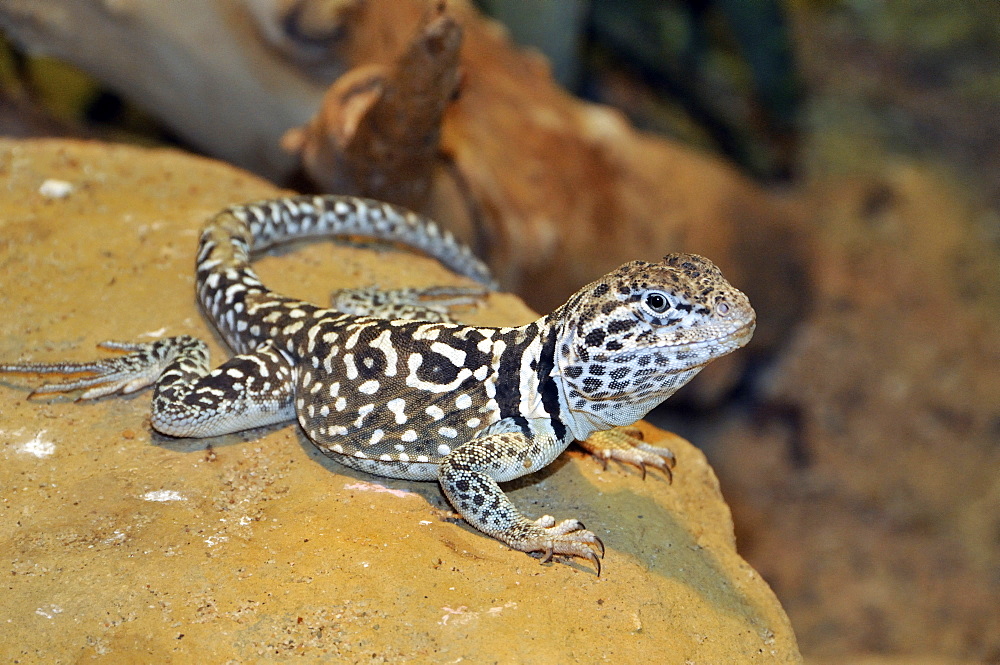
(124, 545)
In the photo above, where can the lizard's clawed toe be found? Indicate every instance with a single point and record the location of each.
(568, 538)
(140, 367)
(626, 445)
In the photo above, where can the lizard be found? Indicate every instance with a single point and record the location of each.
(388, 383)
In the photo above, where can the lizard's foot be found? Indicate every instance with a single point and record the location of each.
(479, 499)
(430, 304)
(568, 537)
(140, 367)
(625, 444)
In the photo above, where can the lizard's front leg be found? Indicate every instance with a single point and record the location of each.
(469, 476)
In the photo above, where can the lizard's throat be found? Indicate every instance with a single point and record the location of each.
(599, 411)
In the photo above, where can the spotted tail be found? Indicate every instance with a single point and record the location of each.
(225, 277)
(278, 220)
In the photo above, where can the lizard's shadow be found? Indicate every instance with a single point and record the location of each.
(187, 445)
(662, 556)
(429, 489)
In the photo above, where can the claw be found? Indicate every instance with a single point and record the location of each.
(567, 538)
(139, 367)
(597, 563)
(625, 444)
(665, 453)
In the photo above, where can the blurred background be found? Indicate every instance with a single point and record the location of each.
(858, 444)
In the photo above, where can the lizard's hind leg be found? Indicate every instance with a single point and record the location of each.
(141, 367)
(430, 304)
(249, 390)
(190, 400)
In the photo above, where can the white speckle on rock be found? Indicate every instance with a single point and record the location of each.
(156, 334)
(56, 189)
(38, 447)
(163, 495)
(48, 611)
(212, 541)
(375, 487)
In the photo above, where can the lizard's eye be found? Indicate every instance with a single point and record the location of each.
(657, 301)
(722, 308)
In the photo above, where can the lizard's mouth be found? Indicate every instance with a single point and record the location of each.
(675, 359)
(733, 339)
(695, 354)
(741, 336)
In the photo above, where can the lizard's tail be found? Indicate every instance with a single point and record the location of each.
(270, 222)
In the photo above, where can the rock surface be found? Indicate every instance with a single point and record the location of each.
(124, 544)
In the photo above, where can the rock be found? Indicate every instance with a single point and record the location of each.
(123, 543)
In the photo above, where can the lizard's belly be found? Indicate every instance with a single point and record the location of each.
(401, 437)
(403, 470)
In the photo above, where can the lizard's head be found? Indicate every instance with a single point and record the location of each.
(631, 339)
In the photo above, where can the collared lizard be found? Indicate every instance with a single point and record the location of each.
(386, 383)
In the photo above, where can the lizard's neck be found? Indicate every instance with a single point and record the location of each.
(545, 394)
(528, 390)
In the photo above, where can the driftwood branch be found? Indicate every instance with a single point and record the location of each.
(378, 130)
(552, 191)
